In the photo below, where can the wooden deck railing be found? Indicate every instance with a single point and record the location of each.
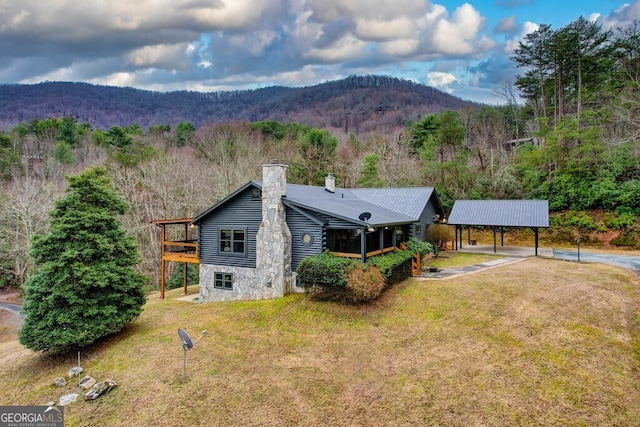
(369, 254)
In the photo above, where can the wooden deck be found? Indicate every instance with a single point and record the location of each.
(185, 251)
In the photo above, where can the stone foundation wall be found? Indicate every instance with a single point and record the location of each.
(246, 285)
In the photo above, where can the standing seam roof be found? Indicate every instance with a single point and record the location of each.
(500, 213)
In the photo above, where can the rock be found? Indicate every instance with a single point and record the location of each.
(87, 382)
(75, 372)
(59, 382)
(49, 403)
(67, 399)
(99, 389)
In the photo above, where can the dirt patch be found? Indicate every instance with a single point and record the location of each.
(10, 295)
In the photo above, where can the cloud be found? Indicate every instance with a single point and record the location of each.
(491, 70)
(441, 80)
(454, 36)
(169, 57)
(511, 4)
(512, 43)
(506, 25)
(622, 16)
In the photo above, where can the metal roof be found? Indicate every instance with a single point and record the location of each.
(351, 209)
(500, 213)
(409, 201)
(387, 206)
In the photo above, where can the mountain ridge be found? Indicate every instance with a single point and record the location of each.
(358, 103)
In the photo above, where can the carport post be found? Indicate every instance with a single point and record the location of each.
(535, 230)
(494, 239)
(456, 230)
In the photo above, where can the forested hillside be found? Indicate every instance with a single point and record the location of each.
(574, 142)
(355, 104)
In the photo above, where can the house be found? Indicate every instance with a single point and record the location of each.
(251, 242)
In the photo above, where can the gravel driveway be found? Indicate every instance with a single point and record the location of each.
(626, 261)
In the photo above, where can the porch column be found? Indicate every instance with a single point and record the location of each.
(363, 244)
(163, 236)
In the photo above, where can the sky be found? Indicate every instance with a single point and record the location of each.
(459, 47)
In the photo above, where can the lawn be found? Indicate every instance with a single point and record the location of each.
(459, 259)
(536, 343)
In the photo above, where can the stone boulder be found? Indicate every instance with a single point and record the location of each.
(87, 382)
(75, 372)
(67, 399)
(59, 382)
(99, 389)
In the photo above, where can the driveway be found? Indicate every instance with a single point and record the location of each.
(626, 261)
(14, 308)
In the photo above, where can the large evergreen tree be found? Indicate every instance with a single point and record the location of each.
(84, 286)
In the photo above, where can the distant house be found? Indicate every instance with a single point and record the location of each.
(513, 144)
(251, 242)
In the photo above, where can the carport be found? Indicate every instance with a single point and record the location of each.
(501, 214)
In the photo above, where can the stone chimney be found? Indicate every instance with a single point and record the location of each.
(330, 183)
(273, 241)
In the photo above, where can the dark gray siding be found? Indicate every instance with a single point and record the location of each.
(426, 218)
(299, 225)
(242, 211)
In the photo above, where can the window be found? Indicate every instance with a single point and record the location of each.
(223, 281)
(233, 241)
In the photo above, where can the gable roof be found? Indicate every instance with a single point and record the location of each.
(387, 206)
(500, 213)
(222, 202)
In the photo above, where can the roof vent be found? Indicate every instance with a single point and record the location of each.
(330, 183)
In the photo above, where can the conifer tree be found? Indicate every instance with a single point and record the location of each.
(84, 286)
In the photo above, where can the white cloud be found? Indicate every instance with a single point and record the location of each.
(622, 16)
(441, 80)
(169, 57)
(455, 36)
(513, 43)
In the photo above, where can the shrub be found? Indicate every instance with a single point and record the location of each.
(581, 220)
(440, 234)
(623, 221)
(629, 239)
(395, 266)
(324, 270)
(364, 283)
(417, 246)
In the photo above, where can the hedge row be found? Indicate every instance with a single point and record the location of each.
(328, 277)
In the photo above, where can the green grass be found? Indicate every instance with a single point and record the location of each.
(535, 343)
(460, 259)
